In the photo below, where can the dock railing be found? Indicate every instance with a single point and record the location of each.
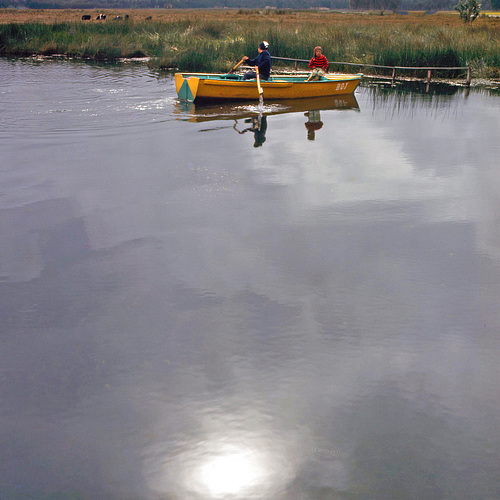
(429, 70)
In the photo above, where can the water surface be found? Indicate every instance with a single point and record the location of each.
(203, 302)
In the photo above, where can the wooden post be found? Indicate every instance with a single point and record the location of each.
(469, 77)
(393, 76)
(429, 73)
(296, 65)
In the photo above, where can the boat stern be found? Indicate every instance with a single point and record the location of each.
(186, 87)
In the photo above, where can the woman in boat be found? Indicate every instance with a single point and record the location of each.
(318, 60)
(262, 61)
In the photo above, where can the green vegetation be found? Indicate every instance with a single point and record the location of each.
(468, 10)
(216, 45)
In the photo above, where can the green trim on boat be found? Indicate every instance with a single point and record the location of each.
(185, 92)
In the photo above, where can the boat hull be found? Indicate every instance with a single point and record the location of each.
(199, 86)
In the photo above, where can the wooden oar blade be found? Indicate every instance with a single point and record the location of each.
(258, 80)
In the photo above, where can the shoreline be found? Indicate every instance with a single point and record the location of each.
(492, 85)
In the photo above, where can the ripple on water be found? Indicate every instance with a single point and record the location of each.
(90, 99)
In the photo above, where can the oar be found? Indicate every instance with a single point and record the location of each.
(241, 62)
(258, 79)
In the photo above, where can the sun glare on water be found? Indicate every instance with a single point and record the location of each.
(223, 467)
(232, 474)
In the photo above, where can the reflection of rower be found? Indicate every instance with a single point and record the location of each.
(313, 123)
(259, 127)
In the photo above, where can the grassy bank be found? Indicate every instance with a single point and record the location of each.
(216, 40)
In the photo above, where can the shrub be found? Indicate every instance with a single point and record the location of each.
(468, 10)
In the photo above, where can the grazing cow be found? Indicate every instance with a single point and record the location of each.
(149, 18)
(101, 16)
(86, 17)
(117, 18)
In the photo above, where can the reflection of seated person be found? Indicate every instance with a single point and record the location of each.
(313, 123)
(259, 127)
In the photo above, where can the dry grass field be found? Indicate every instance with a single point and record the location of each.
(49, 16)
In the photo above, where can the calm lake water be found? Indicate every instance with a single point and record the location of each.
(201, 303)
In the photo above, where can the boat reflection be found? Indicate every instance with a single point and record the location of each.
(228, 111)
(255, 116)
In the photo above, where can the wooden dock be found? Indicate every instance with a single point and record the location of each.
(430, 69)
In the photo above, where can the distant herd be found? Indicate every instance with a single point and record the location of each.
(88, 17)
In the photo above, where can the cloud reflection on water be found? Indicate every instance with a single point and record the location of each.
(185, 303)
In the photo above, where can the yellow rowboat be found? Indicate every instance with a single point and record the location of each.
(199, 86)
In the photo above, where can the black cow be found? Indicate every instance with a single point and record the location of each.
(86, 17)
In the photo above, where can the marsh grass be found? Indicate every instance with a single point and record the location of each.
(216, 44)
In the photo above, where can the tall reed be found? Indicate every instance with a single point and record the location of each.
(217, 44)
